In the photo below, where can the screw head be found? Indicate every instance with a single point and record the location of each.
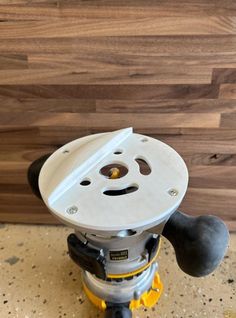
(72, 209)
(173, 192)
(156, 289)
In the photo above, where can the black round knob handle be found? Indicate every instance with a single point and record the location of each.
(200, 242)
(33, 174)
(118, 311)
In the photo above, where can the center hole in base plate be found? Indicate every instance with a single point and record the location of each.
(114, 171)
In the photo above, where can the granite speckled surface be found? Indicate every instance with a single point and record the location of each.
(38, 279)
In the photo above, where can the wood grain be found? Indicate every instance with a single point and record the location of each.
(72, 68)
(118, 75)
(113, 92)
(111, 121)
(121, 60)
(119, 46)
(227, 91)
(145, 26)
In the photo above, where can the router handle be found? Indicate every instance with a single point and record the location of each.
(118, 311)
(33, 174)
(200, 242)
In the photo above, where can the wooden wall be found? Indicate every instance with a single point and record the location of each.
(71, 68)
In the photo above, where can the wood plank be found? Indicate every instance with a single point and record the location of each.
(186, 140)
(112, 121)
(54, 105)
(195, 144)
(13, 62)
(227, 91)
(24, 214)
(124, 59)
(110, 91)
(40, 10)
(76, 105)
(141, 45)
(205, 159)
(215, 177)
(147, 26)
(166, 106)
(209, 134)
(56, 136)
(18, 189)
(25, 200)
(118, 75)
(224, 75)
(23, 153)
(14, 172)
(228, 121)
(219, 202)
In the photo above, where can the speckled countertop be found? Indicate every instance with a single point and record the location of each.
(38, 279)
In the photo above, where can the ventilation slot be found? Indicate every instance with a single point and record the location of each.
(121, 191)
(85, 182)
(144, 167)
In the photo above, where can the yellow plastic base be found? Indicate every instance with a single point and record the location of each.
(147, 299)
(98, 302)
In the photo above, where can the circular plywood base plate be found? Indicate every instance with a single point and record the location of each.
(77, 189)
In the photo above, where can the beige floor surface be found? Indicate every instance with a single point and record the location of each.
(38, 279)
